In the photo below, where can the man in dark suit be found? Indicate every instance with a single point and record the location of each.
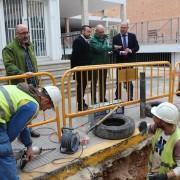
(81, 57)
(125, 46)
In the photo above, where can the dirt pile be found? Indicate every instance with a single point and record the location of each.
(133, 167)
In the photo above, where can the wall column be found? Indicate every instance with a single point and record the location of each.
(67, 25)
(54, 29)
(84, 12)
(123, 13)
(2, 30)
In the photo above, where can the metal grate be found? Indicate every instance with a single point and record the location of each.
(17, 12)
(13, 12)
(37, 26)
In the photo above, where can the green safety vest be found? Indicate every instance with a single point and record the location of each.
(167, 161)
(11, 98)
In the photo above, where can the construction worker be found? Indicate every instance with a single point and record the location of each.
(19, 104)
(164, 160)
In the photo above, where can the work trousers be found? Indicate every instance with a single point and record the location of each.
(9, 132)
(127, 85)
(100, 75)
(81, 78)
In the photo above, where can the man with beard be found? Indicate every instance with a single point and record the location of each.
(164, 160)
(80, 57)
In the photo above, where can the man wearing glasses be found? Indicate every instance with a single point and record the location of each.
(19, 58)
(125, 46)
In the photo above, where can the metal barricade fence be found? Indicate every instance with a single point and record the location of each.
(158, 85)
(176, 80)
(7, 80)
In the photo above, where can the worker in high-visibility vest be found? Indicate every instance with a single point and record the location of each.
(19, 104)
(164, 160)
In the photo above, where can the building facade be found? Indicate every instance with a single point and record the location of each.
(43, 20)
(148, 10)
(156, 24)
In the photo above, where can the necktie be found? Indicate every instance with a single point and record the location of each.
(124, 41)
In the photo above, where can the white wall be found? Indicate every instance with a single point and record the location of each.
(159, 48)
(2, 30)
(175, 58)
(54, 33)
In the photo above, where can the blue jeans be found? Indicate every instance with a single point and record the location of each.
(8, 132)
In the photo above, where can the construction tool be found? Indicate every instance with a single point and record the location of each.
(104, 118)
(70, 141)
(21, 155)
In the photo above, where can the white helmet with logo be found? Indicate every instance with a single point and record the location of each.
(167, 112)
(54, 94)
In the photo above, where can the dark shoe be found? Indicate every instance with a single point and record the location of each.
(116, 98)
(34, 134)
(125, 85)
(85, 107)
(94, 102)
(104, 100)
(178, 94)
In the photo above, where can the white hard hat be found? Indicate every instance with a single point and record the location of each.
(167, 112)
(54, 94)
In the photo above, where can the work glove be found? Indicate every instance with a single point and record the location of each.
(143, 127)
(157, 177)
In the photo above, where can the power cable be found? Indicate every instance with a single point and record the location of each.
(44, 134)
(73, 159)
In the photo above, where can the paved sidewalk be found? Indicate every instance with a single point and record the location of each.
(38, 166)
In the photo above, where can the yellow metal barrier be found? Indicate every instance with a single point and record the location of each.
(176, 80)
(158, 80)
(5, 79)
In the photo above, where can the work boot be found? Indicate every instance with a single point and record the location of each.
(34, 134)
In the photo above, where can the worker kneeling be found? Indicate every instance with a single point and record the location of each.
(19, 104)
(164, 160)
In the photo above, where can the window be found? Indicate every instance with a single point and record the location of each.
(30, 12)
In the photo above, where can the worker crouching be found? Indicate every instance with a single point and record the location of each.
(164, 160)
(19, 105)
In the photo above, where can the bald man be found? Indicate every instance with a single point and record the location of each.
(19, 58)
(99, 55)
(125, 46)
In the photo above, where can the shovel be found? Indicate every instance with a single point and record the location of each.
(104, 118)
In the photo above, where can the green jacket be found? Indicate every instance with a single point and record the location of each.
(99, 50)
(13, 57)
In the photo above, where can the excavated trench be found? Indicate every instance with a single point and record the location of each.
(133, 167)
